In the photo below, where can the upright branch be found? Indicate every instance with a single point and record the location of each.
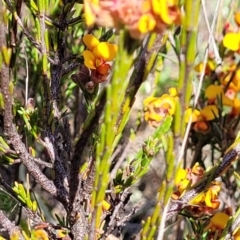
(9, 126)
(77, 158)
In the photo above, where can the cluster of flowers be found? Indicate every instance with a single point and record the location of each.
(157, 108)
(205, 202)
(221, 97)
(97, 56)
(138, 16)
(224, 88)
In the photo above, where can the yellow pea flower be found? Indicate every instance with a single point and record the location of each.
(97, 56)
(209, 67)
(232, 41)
(157, 108)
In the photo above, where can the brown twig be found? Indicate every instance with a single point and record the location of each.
(114, 216)
(10, 227)
(77, 161)
(70, 68)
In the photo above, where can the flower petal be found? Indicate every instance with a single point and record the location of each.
(88, 12)
(209, 67)
(181, 174)
(236, 80)
(232, 41)
(90, 41)
(236, 234)
(196, 115)
(201, 126)
(89, 59)
(183, 185)
(160, 8)
(212, 91)
(146, 23)
(237, 18)
(208, 198)
(209, 112)
(153, 117)
(197, 169)
(169, 104)
(103, 69)
(220, 220)
(236, 107)
(106, 51)
(227, 101)
(105, 205)
(172, 92)
(199, 67)
(148, 100)
(197, 199)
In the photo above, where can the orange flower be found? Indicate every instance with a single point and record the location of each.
(186, 176)
(157, 108)
(208, 113)
(210, 67)
(181, 175)
(218, 223)
(201, 118)
(195, 173)
(204, 201)
(97, 56)
(227, 75)
(215, 93)
(211, 199)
